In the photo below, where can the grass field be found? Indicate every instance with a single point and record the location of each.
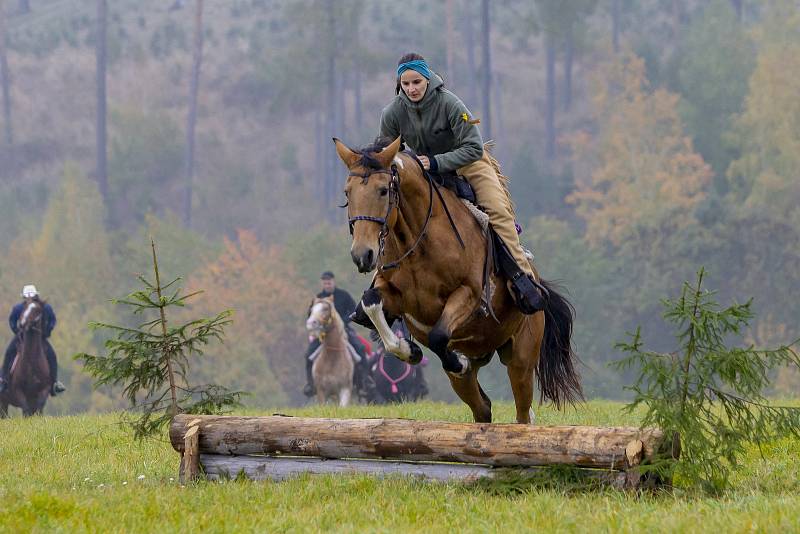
(85, 473)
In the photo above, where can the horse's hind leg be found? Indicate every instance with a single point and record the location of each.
(3, 410)
(521, 356)
(469, 391)
(40, 406)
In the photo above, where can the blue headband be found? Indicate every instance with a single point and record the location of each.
(417, 65)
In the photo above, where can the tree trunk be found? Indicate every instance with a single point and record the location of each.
(319, 153)
(357, 66)
(569, 50)
(500, 445)
(738, 7)
(332, 104)
(502, 150)
(616, 15)
(450, 38)
(5, 76)
(677, 18)
(191, 121)
(341, 114)
(550, 96)
(472, 69)
(100, 61)
(486, 120)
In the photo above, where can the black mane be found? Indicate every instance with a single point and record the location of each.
(367, 153)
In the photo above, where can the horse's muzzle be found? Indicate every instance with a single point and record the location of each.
(364, 259)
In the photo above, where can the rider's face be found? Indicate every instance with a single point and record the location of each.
(414, 85)
(328, 285)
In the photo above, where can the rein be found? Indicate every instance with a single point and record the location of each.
(394, 201)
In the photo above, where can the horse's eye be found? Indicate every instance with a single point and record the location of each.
(383, 191)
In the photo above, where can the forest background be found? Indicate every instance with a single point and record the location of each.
(643, 138)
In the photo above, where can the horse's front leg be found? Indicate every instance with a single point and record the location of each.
(375, 302)
(458, 308)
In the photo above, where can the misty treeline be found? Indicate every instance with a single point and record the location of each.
(643, 139)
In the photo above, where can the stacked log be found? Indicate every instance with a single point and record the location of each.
(277, 447)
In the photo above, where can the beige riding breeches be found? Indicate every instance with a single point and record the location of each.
(492, 197)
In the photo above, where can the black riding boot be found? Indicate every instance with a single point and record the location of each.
(526, 293)
(8, 360)
(56, 387)
(360, 382)
(363, 381)
(529, 294)
(309, 390)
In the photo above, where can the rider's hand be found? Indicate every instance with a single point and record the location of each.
(426, 163)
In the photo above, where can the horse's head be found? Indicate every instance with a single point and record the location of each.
(372, 191)
(320, 317)
(32, 315)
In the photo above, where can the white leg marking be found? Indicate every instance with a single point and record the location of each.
(464, 361)
(344, 397)
(532, 415)
(397, 345)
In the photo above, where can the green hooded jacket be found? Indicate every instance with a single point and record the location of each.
(438, 125)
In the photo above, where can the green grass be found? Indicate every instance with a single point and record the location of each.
(85, 473)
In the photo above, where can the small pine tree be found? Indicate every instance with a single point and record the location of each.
(151, 361)
(706, 395)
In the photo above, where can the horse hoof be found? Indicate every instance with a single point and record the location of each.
(465, 366)
(416, 354)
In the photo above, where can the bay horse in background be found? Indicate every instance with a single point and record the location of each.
(29, 380)
(333, 364)
(396, 380)
(433, 270)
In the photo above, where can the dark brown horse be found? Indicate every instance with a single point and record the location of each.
(395, 380)
(401, 227)
(29, 380)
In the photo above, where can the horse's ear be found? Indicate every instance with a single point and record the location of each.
(386, 156)
(345, 154)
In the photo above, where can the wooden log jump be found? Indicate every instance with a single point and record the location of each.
(277, 447)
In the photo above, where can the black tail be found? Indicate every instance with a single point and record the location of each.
(558, 380)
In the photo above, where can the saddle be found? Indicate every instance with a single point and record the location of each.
(455, 183)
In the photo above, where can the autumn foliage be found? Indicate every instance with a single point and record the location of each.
(264, 345)
(638, 170)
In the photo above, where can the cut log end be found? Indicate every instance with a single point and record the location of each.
(634, 452)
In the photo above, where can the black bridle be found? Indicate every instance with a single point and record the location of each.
(393, 202)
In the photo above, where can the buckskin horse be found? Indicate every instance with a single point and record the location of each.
(29, 380)
(333, 365)
(445, 285)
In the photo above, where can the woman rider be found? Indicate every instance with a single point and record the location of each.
(437, 125)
